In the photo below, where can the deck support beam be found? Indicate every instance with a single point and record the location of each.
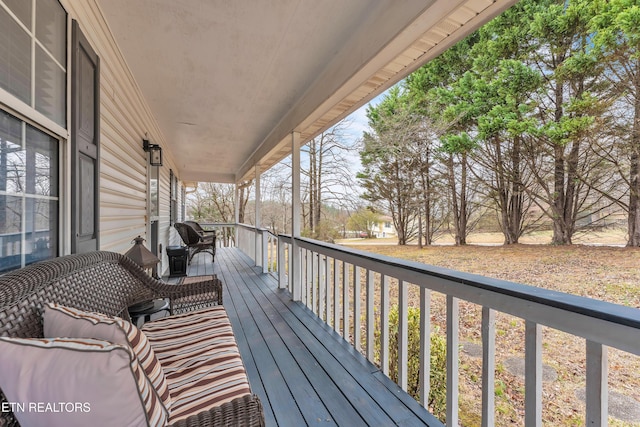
(295, 216)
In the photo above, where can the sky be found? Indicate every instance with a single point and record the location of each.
(359, 124)
(359, 121)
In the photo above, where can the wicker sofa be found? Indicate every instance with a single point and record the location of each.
(108, 283)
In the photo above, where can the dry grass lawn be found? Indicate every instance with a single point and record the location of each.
(605, 273)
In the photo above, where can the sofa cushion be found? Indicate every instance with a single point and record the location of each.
(61, 321)
(76, 382)
(200, 358)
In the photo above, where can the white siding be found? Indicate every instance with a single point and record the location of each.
(125, 118)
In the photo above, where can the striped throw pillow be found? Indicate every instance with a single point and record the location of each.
(76, 382)
(61, 321)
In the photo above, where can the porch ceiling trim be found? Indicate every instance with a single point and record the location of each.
(438, 27)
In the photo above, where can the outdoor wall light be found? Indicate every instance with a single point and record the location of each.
(155, 150)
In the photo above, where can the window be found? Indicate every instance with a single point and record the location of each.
(33, 48)
(33, 52)
(28, 194)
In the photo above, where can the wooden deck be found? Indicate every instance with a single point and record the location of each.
(304, 373)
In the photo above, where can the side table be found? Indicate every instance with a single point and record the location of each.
(146, 309)
(178, 260)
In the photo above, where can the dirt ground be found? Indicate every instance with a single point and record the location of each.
(607, 273)
(606, 237)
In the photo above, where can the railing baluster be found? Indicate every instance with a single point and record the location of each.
(403, 332)
(357, 308)
(322, 286)
(488, 366)
(345, 300)
(265, 252)
(309, 279)
(314, 282)
(282, 276)
(597, 389)
(532, 374)
(292, 275)
(384, 325)
(336, 296)
(327, 291)
(425, 345)
(290, 272)
(453, 341)
(370, 337)
(273, 253)
(303, 276)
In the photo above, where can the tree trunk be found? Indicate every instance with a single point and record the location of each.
(502, 183)
(454, 196)
(461, 238)
(558, 208)
(318, 190)
(419, 229)
(515, 204)
(312, 185)
(634, 193)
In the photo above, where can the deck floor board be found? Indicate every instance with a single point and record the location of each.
(304, 372)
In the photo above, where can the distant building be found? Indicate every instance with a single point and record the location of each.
(384, 227)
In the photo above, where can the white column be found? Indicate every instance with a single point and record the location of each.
(295, 215)
(258, 235)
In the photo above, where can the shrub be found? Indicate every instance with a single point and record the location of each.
(438, 375)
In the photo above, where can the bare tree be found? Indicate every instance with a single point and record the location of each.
(213, 202)
(328, 179)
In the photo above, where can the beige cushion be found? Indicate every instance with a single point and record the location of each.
(76, 382)
(61, 321)
(201, 360)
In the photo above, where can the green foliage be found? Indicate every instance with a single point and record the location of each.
(617, 27)
(438, 375)
(325, 231)
(535, 108)
(363, 220)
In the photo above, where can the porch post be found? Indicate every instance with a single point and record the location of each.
(258, 236)
(295, 216)
(236, 216)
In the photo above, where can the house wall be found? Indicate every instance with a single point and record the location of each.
(125, 120)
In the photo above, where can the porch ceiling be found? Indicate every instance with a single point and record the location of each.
(228, 81)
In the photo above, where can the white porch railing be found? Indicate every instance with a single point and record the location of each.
(225, 233)
(261, 245)
(332, 275)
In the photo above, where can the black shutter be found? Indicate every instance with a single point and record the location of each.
(85, 145)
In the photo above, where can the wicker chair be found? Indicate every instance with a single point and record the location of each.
(107, 282)
(206, 234)
(195, 242)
